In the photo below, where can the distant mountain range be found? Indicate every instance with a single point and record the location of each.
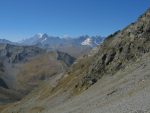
(44, 40)
(4, 41)
(73, 46)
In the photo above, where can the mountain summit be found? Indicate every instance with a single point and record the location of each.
(73, 46)
(46, 40)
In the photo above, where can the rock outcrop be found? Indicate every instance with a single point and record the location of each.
(120, 49)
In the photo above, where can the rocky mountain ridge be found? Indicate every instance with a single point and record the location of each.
(45, 40)
(118, 50)
(74, 46)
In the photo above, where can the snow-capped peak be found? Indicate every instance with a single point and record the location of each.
(44, 39)
(87, 41)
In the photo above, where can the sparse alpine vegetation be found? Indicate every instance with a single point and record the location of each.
(22, 68)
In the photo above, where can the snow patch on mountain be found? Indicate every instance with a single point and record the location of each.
(46, 40)
(87, 42)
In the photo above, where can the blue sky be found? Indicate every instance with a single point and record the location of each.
(21, 19)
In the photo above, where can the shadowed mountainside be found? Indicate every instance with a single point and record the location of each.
(22, 68)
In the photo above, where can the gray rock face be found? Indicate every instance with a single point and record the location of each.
(120, 48)
(4, 41)
(18, 53)
(69, 60)
(11, 55)
(3, 84)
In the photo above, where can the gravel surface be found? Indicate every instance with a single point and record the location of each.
(126, 92)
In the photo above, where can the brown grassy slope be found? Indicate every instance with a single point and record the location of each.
(75, 51)
(45, 67)
(42, 67)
